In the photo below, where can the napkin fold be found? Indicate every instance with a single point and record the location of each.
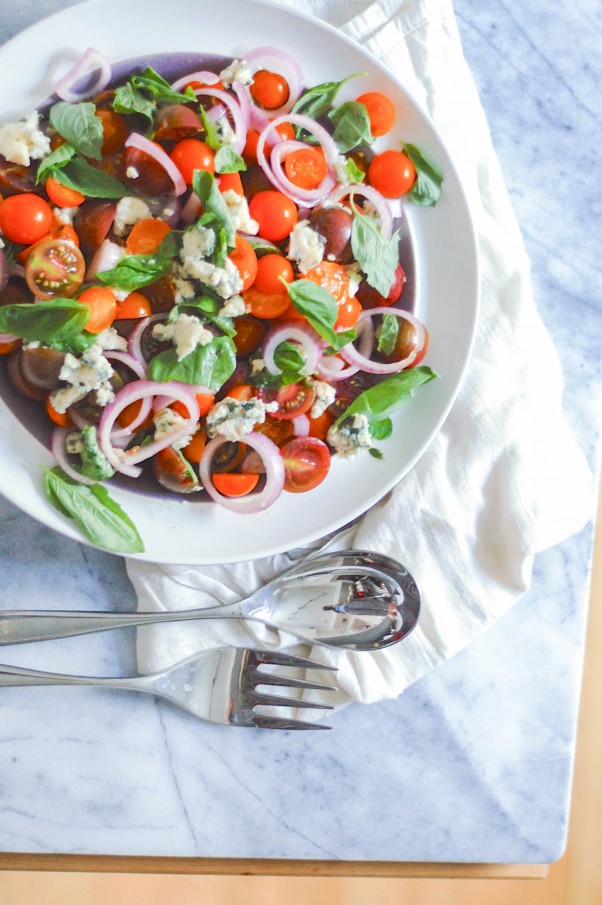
(503, 480)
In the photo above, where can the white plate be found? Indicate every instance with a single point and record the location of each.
(177, 530)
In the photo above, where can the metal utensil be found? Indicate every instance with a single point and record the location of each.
(216, 685)
(350, 599)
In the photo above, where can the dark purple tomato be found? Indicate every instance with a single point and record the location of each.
(334, 225)
(176, 121)
(368, 297)
(174, 472)
(42, 366)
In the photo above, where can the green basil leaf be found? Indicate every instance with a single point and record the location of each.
(352, 126)
(79, 126)
(381, 429)
(77, 174)
(320, 309)
(209, 309)
(211, 133)
(378, 257)
(99, 517)
(205, 187)
(56, 160)
(130, 100)
(383, 398)
(387, 333)
(57, 319)
(262, 247)
(228, 161)
(355, 176)
(155, 85)
(75, 344)
(134, 271)
(209, 366)
(375, 453)
(426, 190)
(317, 101)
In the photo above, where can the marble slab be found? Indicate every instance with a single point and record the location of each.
(473, 762)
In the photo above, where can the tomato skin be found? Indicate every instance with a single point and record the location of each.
(103, 308)
(293, 400)
(245, 260)
(233, 484)
(62, 195)
(275, 213)
(269, 89)
(405, 344)
(278, 430)
(174, 472)
(231, 182)
(25, 218)
(176, 121)
(391, 173)
(152, 178)
(114, 131)
(306, 168)
(306, 463)
(62, 419)
(249, 334)
(349, 312)
(54, 268)
(370, 298)
(266, 305)
(319, 427)
(284, 130)
(195, 449)
(93, 222)
(205, 401)
(271, 270)
(381, 112)
(191, 154)
(146, 236)
(244, 392)
(133, 307)
(331, 276)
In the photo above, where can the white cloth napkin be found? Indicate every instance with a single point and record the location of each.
(504, 478)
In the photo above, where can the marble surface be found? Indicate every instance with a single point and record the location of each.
(473, 762)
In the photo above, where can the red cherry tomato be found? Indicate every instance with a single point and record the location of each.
(245, 260)
(306, 463)
(103, 308)
(173, 471)
(306, 168)
(233, 484)
(370, 298)
(114, 131)
(269, 89)
(54, 268)
(391, 173)
(133, 306)
(381, 112)
(272, 269)
(275, 213)
(62, 195)
(349, 311)
(293, 400)
(25, 218)
(191, 154)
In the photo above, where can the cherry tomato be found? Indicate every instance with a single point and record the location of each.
(228, 456)
(318, 427)
(269, 89)
(272, 269)
(284, 130)
(266, 305)
(249, 334)
(306, 463)
(174, 472)
(67, 232)
(275, 213)
(131, 412)
(244, 392)
(331, 276)
(205, 401)
(62, 419)
(191, 154)
(279, 431)
(41, 366)
(93, 222)
(62, 195)
(245, 260)
(133, 306)
(231, 182)
(25, 218)
(195, 449)
(406, 342)
(103, 307)
(306, 168)
(293, 400)
(381, 112)
(349, 311)
(370, 298)
(235, 485)
(146, 236)
(391, 173)
(143, 174)
(55, 268)
(176, 121)
(20, 382)
(114, 131)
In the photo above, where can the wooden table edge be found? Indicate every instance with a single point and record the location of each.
(268, 867)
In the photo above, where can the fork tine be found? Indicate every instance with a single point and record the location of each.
(266, 678)
(277, 700)
(278, 657)
(276, 722)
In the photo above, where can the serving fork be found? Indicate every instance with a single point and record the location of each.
(220, 685)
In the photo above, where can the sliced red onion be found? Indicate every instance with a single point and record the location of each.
(275, 60)
(78, 419)
(355, 357)
(106, 256)
(295, 332)
(8, 338)
(333, 369)
(139, 369)
(135, 337)
(375, 198)
(4, 275)
(301, 426)
(90, 61)
(58, 450)
(161, 402)
(239, 121)
(191, 209)
(217, 112)
(274, 471)
(135, 140)
(204, 77)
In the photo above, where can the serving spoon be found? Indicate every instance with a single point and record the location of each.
(351, 599)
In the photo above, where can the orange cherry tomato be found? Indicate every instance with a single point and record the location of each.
(271, 270)
(269, 89)
(306, 168)
(230, 182)
(249, 334)
(349, 311)
(195, 449)
(319, 427)
(25, 218)
(234, 484)
(134, 306)
(391, 173)
(103, 307)
(245, 260)
(66, 232)
(244, 392)
(131, 412)
(146, 236)
(114, 131)
(62, 419)
(275, 213)
(381, 112)
(266, 305)
(9, 346)
(205, 401)
(62, 195)
(285, 132)
(331, 276)
(191, 154)
(278, 430)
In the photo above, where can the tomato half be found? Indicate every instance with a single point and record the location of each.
(55, 268)
(234, 484)
(25, 218)
(133, 307)
(391, 173)
(245, 260)
(293, 400)
(146, 236)
(331, 276)
(381, 112)
(349, 312)
(62, 195)
(114, 131)
(249, 334)
(275, 213)
(266, 305)
(103, 307)
(191, 154)
(269, 89)
(173, 471)
(306, 463)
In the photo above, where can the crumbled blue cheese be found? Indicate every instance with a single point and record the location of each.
(129, 212)
(234, 307)
(351, 436)
(227, 135)
(65, 215)
(306, 246)
(23, 142)
(110, 340)
(198, 242)
(237, 71)
(232, 419)
(91, 371)
(74, 443)
(132, 173)
(166, 421)
(226, 280)
(325, 396)
(341, 171)
(186, 333)
(238, 208)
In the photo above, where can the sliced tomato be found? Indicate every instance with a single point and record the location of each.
(306, 463)
(195, 449)
(318, 427)
(228, 456)
(146, 236)
(234, 484)
(244, 392)
(54, 268)
(266, 305)
(249, 334)
(279, 431)
(293, 400)
(63, 419)
(245, 260)
(174, 472)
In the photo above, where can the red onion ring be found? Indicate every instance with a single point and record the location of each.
(106, 256)
(241, 123)
(90, 61)
(135, 140)
(140, 371)
(274, 471)
(354, 357)
(135, 337)
(57, 448)
(276, 60)
(191, 209)
(4, 274)
(162, 402)
(204, 76)
(333, 369)
(375, 198)
(301, 426)
(292, 331)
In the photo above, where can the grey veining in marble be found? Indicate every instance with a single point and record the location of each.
(473, 762)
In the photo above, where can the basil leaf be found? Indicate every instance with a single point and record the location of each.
(320, 309)
(211, 133)
(56, 160)
(129, 100)
(75, 344)
(352, 126)
(287, 357)
(317, 101)
(228, 161)
(379, 401)
(381, 429)
(77, 174)
(99, 518)
(205, 187)
(209, 366)
(375, 453)
(55, 320)
(134, 271)
(355, 176)
(262, 246)
(154, 84)
(209, 308)
(378, 257)
(95, 464)
(79, 126)
(387, 334)
(426, 190)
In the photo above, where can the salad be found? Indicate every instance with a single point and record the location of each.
(200, 280)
